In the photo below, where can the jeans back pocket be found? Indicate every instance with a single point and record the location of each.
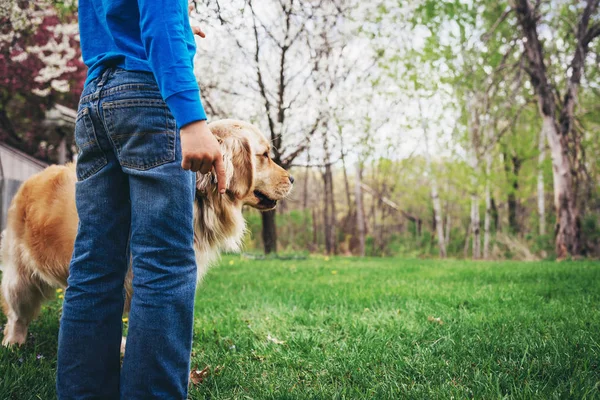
(143, 132)
(90, 158)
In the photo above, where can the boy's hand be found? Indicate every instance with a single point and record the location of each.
(201, 151)
(195, 29)
(198, 31)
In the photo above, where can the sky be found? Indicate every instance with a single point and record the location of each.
(225, 60)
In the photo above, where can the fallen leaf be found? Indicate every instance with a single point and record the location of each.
(435, 320)
(274, 340)
(198, 376)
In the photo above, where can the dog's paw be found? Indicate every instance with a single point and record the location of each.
(10, 340)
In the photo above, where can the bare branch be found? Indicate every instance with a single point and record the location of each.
(487, 35)
(261, 84)
(287, 162)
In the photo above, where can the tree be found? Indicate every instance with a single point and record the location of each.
(40, 66)
(360, 219)
(435, 198)
(278, 68)
(563, 138)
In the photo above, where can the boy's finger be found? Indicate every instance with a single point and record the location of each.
(204, 167)
(220, 170)
(196, 165)
(186, 163)
(198, 31)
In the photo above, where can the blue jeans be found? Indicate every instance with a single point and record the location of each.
(135, 204)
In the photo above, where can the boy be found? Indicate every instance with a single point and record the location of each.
(141, 133)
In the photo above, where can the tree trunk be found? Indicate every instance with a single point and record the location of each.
(567, 220)
(360, 219)
(437, 207)
(513, 223)
(305, 196)
(512, 175)
(332, 212)
(315, 228)
(568, 230)
(540, 182)
(467, 240)
(305, 189)
(269, 231)
(327, 217)
(475, 228)
(488, 203)
(346, 183)
(447, 227)
(328, 200)
(474, 132)
(487, 218)
(495, 216)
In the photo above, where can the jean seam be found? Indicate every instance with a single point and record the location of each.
(81, 113)
(146, 166)
(91, 131)
(96, 167)
(167, 132)
(135, 102)
(138, 87)
(109, 128)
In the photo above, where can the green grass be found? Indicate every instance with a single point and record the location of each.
(361, 329)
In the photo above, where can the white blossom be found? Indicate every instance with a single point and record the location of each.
(41, 92)
(55, 54)
(60, 85)
(20, 57)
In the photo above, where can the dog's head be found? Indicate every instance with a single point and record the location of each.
(252, 176)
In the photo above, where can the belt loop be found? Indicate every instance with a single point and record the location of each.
(104, 77)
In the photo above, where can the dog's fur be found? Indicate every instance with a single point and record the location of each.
(42, 222)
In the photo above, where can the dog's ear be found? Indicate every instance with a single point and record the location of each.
(239, 168)
(238, 156)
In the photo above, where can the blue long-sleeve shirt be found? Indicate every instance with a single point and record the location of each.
(144, 35)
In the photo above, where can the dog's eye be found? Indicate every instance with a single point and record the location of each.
(266, 154)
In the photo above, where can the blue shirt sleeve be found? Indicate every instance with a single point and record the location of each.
(167, 36)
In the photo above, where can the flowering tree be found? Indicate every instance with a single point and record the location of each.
(40, 66)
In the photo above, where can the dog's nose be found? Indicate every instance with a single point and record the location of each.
(292, 179)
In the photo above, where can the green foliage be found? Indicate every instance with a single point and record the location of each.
(542, 244)
(374, 329)
(591, 232)
(294, 230)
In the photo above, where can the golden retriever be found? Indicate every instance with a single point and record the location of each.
(42, 222)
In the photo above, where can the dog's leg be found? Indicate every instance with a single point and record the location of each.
(22, 299)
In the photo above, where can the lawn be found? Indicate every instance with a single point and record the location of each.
(374, 329)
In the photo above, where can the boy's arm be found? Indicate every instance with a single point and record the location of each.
(164, 27)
